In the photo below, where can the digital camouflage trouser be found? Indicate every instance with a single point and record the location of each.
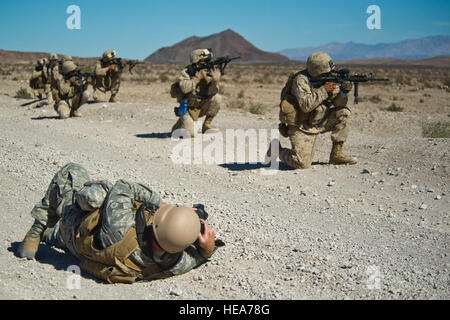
(60, 191)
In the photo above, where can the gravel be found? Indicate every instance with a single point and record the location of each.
(374, 230)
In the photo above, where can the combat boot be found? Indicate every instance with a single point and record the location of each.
(207, 124)
(338, 157)
(113, 98)
(30, 243)
(28, 247)
(63, 110)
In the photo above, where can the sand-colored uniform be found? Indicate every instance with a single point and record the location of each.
(315, 112)
(50, 76)
(107, 80)
(204, 99)
(69, 93)
(37, 82)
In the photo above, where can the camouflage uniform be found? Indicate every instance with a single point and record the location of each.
(37, 80)
(107, 79)
(51, 75)
(72, 93)
(316, 111)
(204, 99)
(71, 195)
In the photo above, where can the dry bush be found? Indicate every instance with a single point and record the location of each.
(258, 108)
(393, 108)
(375, 99)
(23, 93)
(439, 129)
(237, 104)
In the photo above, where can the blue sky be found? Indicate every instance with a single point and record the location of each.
(137, 28)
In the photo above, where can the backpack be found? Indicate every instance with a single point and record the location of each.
(290, 113)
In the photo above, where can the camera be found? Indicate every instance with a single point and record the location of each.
(202, 214)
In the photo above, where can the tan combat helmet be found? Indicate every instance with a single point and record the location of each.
(53, 56)
(41, 62)
(200, 54)
(319, 63)
(109, 55)
(175, 228)
(68, 67)
(67, 58)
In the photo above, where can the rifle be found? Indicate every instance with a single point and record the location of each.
(83, 77)
(343, 75)
(220, 62)
(83, 82)
(122, 63)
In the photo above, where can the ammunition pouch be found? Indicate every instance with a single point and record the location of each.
(290, 113)
(175, 91)
(283, 129)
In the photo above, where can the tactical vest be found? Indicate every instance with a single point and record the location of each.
(290, 112)
(113, 263)
(37, 80)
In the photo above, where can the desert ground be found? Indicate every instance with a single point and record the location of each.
(375, 230)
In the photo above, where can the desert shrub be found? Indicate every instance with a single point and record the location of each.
(241, 94)
(258, 108)
(237, 104)
(439, 129)
(163, 78)
(22, 93)
(375, 99)
(394, 108)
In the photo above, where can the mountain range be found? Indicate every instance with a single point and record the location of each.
(431, 51)
(412, 49)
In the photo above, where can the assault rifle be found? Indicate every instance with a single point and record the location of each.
(209, 64)
(83, 82)
(202, 214)
(343, 75)
(83, 78)
(122, 63)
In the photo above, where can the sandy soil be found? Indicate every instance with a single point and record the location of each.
(375, 230)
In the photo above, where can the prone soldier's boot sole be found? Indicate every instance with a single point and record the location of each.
(28, 247)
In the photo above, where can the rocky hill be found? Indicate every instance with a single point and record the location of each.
(224, 43)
